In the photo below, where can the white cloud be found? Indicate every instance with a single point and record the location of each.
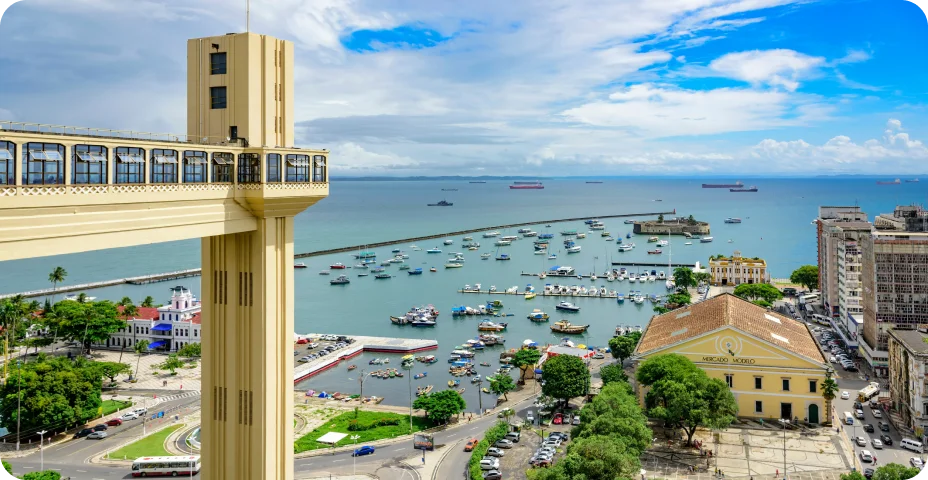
(353, 157)
(894, 124)
(780, 67)
(662, 111)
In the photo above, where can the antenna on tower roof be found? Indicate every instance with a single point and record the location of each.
(247, 16)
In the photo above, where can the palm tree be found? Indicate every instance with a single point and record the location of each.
(82, 298)
(141, 347)
(57, 275)
(148, 302)
(829, 389)
(9, 314)
(701, 277)
(128, 310)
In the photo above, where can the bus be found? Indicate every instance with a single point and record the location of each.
(166, 466)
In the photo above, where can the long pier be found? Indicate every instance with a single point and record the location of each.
(541, 294)
(194, 272)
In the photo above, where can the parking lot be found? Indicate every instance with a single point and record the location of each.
(319, 346)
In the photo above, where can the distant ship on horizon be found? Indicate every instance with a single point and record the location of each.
(737, 184)
(477, 182)
(752, 189)
(912, 180)
(886, 182)
(536, 185)
(594, 182)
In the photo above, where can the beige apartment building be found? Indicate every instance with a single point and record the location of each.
(735, 270)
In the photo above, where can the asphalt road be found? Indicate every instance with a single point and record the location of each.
(71, 457)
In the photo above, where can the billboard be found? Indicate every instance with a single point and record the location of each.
(423, 441)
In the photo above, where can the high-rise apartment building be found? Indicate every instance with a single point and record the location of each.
(895, 280)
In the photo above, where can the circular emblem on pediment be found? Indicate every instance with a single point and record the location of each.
(728, 345)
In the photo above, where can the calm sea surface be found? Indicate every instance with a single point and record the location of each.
(776, 227)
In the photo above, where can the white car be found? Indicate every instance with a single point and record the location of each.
(845, 395)
(916, 462)
(866, 456)
(876, 443)
(97, 436)
(861, 441)
(128, 416)
(876, 413)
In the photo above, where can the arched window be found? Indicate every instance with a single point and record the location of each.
(273, 167)
(249, 168)
(297, 168)
(130, 165)
(319, 168)
(163, 166)
(222, 167)
(7, 163)
(88, 165)
(43, 164)
(195, 167)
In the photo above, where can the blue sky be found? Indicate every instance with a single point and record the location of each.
(684, 87)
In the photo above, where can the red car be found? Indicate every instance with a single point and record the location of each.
(302, 341)
(558, 419)
(471, 444)
(114, 422)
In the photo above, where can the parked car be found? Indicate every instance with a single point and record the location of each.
(365, 450)
(886, 439)
(470, 445)
(866, 456)
(492, 475)
(869, 428)
(558, 419)
(876, 443)
(845, 395)
(83, 433)
(514, 437)
(868, 473)
(97, 435)
(99, 428)
(540, 462)
(858, 406)
(861, 441)
(503, 443)
(564, 436)
(489, 463)
(129, 416)
(114, 422)
(495, 452)
(529, 416)
(599, 356)
(576, 420)
(916, 462)
(140, 411)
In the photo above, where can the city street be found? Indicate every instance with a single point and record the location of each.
(71, 457)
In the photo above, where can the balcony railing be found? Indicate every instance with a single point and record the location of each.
(41, 128)
(60, 190)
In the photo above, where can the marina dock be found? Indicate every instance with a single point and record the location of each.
(302, 371)
(195, 272)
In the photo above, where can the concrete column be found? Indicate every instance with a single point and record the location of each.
(247, 337)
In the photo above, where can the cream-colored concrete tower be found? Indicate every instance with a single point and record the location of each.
(240, 86)
(69, 189)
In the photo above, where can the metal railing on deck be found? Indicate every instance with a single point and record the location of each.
(40, 128)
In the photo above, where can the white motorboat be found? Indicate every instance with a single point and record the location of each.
(661, 275)
(415, 248)
(573, 249)
(541, 252)
(688, 243)
(509, 238)
(581, 235)
(491, 234)
(626, 247)
(663, 243)
(553, 256)
(567, 306)
(449, 241)
(484, 256)
(705, 240)
(503, 243)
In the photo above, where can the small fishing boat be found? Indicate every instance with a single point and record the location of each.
(656, 251)
(433, 250)
(362, 275)
(567, 306)
(564, 326)
(581, 235)
(484, 256)
(705, 240)
(688, 243)
(529, 295)
(503, 256)
(341, 280)
(383, 276)
(573, 249)
(454, 265)
(337, 266)
(362, 266)
(491, 234)
(420, 391)
(538, 316)
(415, 271)
(620, 298)
(352, 367)
(324, 272)
(461, 390)
(485, 390)
(449, 241)
(653, 239)
(553, 256)
(299, 265)
(503, 243)
(484, 364)
(420, 375)
(453, 383)
(415, 248)
(404, 267)
(433, 269)
(488, 326)
(423, 322)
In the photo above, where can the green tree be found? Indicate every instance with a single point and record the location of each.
(829, 389)
(148, 302)
(190, 350)
(758, 292)
(7, 467)
(701, 277)
(612, 373)
(660, 218)
(622, 348)
(615, 413)
(683, 277)
(87, 323)
(691, 220)
(141, 348)
(43, 475)
(895, 471)
(660, 309)
(565, 377)
(686, 398)
(635, 336)
(55, 391)
(524, 359)
(172, 363)
(502, 384)
(855, 475)
(38, 342)
(677, 300)
(440, 406)
(806, 275)
(56, 276)
(111, 370)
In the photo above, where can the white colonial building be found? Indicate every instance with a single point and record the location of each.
(167, 328)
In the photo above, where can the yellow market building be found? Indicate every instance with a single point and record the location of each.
(735, 270)
(771, 363)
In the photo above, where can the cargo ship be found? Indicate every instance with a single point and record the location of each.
(737, 184)
(478, 182)
(894, 182)
(752, 188)
(913, 180)
(526, 186)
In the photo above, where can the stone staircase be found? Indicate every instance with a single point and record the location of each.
(896, 420)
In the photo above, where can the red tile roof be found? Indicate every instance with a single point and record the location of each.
(145, 313)
(196, 319)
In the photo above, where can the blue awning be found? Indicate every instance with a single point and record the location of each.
(158, 344)
(163, 327)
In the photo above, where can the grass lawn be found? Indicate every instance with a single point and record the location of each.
(111, 406)
(150, 446)
(340, 424)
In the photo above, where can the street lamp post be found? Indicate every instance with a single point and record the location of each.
(480, 395)
(354, 458)
(784, 422)
(42, 449)
(407, 365)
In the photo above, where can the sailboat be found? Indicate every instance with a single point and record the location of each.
(670, 283)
